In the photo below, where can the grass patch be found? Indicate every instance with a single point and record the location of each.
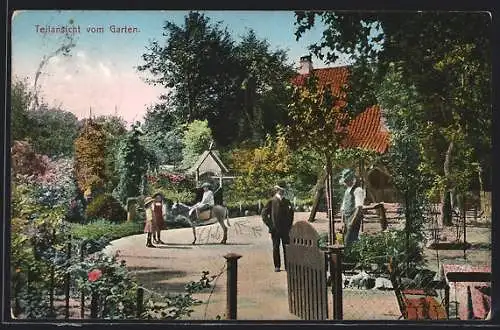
(103, 228)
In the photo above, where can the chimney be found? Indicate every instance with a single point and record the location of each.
(305, 65)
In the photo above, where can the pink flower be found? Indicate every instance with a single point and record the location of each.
(94, 275)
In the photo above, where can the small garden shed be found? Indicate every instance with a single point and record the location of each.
(210, 164)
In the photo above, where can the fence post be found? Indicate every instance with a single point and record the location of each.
(335, 257)
(140, 302)
(52, 280)
(82, 296)
(232, 281)
(94, 304)
(241, 209)
(67, 284)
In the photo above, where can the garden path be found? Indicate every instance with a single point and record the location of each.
(262, 293)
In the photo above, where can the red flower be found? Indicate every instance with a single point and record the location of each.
(94, 275)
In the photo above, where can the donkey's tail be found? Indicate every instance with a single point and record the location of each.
(227, 217)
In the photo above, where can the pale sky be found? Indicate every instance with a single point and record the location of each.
(100, 71)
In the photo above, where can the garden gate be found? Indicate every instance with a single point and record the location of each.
(306, 274)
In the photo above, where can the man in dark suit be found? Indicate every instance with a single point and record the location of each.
(278, 216)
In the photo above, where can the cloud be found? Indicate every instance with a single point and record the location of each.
(105, 69)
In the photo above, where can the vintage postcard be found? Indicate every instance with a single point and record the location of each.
(250, 165)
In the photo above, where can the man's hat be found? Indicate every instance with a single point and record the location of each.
(347, 174)
(206, 184)
(279, 186)
(148, 201)
(158, 194)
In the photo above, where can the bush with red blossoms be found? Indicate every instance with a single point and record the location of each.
(174, 186)
(94, 275)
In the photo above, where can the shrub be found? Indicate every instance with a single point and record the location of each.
(379, 248)
(107, 207)
(103, 228)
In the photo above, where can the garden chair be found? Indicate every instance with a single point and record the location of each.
(416, 304)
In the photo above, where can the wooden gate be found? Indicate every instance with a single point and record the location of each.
(306, 274)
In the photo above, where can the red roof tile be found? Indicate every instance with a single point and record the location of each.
(364, 131)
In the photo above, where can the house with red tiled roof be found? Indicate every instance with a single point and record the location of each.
(366, 131)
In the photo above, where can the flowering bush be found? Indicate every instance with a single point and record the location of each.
(41, 199)
(109, 282)
(94, 275)
(172, 185)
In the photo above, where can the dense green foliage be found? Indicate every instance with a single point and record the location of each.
(53, 131)
(115, 129)
(50, 131)
(103, 228)
(240, 89)
(197, 138)
(20, 120)
(132, 165)
(106, 207)
(443, 60)
(90, 157)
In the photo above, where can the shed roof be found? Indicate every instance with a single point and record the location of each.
(203, 157)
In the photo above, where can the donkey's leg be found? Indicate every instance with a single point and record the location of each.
(224, 228)
(227, 217)
(193, 226)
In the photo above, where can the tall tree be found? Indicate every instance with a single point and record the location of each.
(21, 98)
(115, 130)
(195, 63)
(445, 56)
(90, 153)
(53, 131)
(163, 134)
(264, 95)
(318, 120)
(133, 164)
(197, 138)
(240, 89)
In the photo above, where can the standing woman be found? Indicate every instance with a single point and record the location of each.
(159, 217)
(148, 225)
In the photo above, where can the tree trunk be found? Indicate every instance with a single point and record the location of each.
(320, 183)
(329, 194)
(445, 218)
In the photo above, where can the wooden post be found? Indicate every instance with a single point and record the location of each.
(67, 280)
(447, 299)
(82, 296)
(329, 194)
(232, 281)
(140, 301)
(131, 209)
(464, 216)
(52, 280)
(470, 308)
(335, 258)
(94, 305)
